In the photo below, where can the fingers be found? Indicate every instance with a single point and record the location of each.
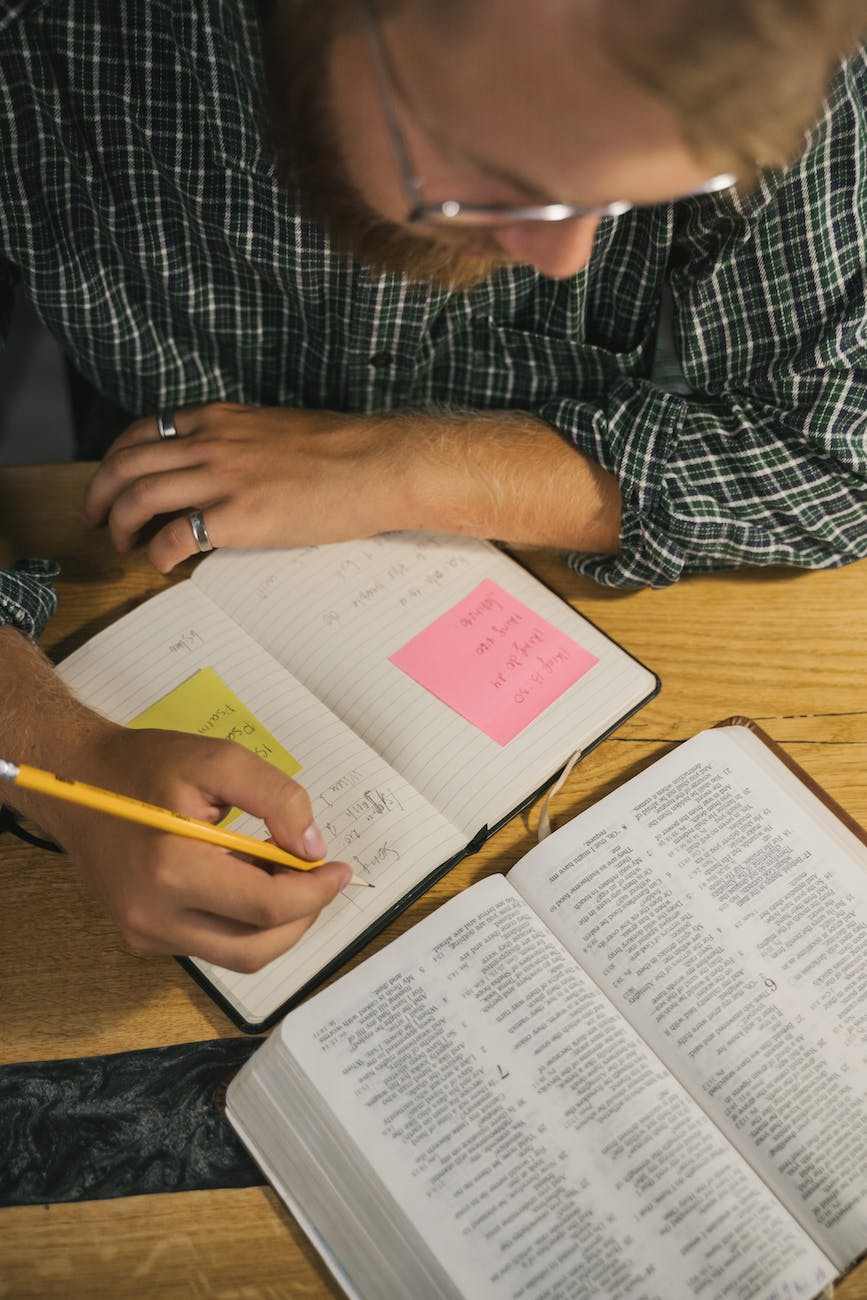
(149, 496)
(226, 943)
(241, 466)
(136, 472)
(139, 452)
(233, 947)
(186, 421)
(175, 541)
(145, 479)
(173, 895)
(234, 890)
(235, 777)
(211, 905)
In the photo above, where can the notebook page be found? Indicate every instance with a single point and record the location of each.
(369, 814)
(360, 602)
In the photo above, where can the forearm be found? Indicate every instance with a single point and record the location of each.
(166, 894)
(726, 482)
(500, 474)
(284, 477)
(43, 724)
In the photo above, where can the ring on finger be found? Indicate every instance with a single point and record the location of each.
(166, 426)
(200, 532)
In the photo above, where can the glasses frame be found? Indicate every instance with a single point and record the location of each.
(452, 212)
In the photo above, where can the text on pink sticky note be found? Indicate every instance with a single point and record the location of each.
(494, 661)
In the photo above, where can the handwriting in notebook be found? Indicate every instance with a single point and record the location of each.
(205, 706)
(494, 661)
(345, 826)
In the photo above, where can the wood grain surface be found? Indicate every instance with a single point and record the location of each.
(783, 647)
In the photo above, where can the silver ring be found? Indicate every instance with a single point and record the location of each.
(166, 426)
(200, 532)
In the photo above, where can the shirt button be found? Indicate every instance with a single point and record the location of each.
(381, 359)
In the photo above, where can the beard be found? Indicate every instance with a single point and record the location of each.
(300, 133)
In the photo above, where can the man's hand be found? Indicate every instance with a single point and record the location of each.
(168, 894)
(173, 895)
(262, 477)
(267, 476)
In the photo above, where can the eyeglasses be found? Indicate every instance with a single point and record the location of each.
(451, 212)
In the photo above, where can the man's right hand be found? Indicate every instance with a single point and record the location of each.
(167, 894)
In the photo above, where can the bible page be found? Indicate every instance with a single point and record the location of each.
(334, 614)
(370, 816)
(724, 910)
(510, 1125)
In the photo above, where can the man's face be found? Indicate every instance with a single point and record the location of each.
(515, 105)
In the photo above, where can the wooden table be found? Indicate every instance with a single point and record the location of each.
(785, 648)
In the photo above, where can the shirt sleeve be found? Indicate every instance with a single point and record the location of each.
(764, 460)
(27, 595)
(8, 279)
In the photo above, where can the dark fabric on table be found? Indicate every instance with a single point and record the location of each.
(121, 1125)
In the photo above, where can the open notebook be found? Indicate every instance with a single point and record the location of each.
(297, 649)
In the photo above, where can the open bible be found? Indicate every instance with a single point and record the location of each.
(422, 689)
(635, 1067)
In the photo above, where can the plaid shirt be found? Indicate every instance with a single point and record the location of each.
(27, 595)
(144, 220)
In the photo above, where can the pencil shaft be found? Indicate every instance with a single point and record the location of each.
(161, 819)
(146, 814)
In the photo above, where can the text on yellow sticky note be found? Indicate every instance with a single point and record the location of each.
(204, 705)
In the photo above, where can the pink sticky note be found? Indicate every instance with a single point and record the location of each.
(494, 661)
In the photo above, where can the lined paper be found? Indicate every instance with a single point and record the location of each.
(334, 614)
(371, 817)
(303, 638)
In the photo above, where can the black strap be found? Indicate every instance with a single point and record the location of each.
(121, 1125)
(9, 822)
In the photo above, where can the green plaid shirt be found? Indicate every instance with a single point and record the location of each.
(144, 220)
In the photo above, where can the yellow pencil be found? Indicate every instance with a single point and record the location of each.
(148, 814)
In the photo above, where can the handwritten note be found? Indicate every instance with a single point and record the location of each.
(494, 661)
(205, 706)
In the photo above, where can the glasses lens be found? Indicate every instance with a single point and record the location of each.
(452, 213)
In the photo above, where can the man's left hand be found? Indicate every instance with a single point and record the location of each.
(265, 476)
(261, 477)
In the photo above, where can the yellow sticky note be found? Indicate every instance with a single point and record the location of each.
(204, 705)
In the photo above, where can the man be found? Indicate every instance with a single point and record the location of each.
(428, 297)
